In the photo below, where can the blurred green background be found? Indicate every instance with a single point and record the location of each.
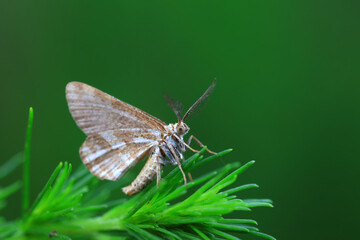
(287, 95)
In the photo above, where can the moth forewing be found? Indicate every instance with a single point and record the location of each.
(120, 135)
(95, 111)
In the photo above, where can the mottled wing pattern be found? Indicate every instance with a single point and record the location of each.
(95, 111)
(109, 154)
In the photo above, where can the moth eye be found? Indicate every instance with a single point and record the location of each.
(180, 129)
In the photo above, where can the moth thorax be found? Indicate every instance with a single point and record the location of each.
(181, 128)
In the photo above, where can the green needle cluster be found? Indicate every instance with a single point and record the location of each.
(79, 206)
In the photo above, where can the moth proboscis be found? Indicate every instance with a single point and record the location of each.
(120, 135)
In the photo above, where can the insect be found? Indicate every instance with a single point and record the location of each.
(120, 135)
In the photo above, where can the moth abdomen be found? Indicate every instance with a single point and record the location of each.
(151, 169)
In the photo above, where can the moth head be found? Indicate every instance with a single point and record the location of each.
(181, 128)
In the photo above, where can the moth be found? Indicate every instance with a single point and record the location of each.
(120, 135)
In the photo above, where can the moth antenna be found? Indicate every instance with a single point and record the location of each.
(175, 105)
(199, 101)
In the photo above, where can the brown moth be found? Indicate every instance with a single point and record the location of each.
(120, 135)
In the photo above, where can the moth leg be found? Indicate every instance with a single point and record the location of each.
(167, 161)
(189, 140)
(186, 145)
(189, 174)
(201, 145)
(190, 177)
(172, 150)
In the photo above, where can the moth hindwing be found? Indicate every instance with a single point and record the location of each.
(120, 135)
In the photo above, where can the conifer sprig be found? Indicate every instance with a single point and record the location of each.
(79, 206)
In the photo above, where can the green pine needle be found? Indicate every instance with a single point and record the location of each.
(79, 206)
(26, 180)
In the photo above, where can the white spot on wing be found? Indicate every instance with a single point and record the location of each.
(95, 168)
(118, 172)
(125, 158)
(118, 145)
(85, 149)
(93, 156)
(109, 136)
(142, 140)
